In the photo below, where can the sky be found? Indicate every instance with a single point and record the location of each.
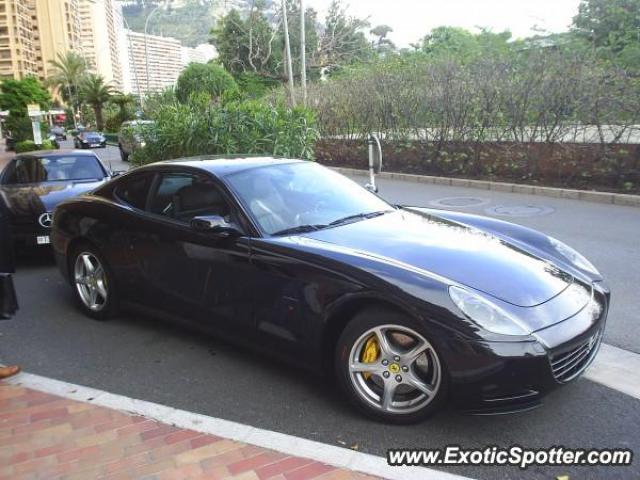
(412, 19)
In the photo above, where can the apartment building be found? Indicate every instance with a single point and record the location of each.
(57, 27)
(19, 48)
(203, 53)
(100, 45)
(164, 56)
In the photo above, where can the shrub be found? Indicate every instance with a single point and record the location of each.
(206, 78)
(248, 127)
(30, 146)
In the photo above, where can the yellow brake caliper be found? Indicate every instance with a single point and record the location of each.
(370, 353)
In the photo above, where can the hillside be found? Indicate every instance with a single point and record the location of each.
(187, 20)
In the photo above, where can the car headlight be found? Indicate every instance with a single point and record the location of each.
(575, 258)
(486, 314)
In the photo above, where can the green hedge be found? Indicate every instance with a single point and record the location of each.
(30, 146)
(112, 138)
(238, 127)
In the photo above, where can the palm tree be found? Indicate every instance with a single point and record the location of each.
(122, 100)
(96, 92)
(68, 71)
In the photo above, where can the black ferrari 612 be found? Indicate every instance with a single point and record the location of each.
(409, 307)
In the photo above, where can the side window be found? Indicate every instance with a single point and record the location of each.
(184, 196)
(134, 190)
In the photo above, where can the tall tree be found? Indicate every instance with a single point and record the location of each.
(205, 78)
(122, 101)
(383, 44)
(69, 70)
(96, 93)
(342, 41)
(15, 95)
(248, 45)
(609, 23)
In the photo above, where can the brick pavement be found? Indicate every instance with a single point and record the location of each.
(44, 436)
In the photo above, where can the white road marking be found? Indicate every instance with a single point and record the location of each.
(616, 368)
(289, 444)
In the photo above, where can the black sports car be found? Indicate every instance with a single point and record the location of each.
(90, 140)
(32, 184)
(408, 306)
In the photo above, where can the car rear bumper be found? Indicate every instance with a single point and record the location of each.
(505, 377)
(26, 236)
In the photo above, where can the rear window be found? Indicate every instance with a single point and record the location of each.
(58, 168)
(134, 190)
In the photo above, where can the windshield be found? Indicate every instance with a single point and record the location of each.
(283, 197)
(53, 169)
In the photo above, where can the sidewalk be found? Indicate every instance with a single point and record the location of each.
(46, 436)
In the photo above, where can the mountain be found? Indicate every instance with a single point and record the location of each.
(187, 20)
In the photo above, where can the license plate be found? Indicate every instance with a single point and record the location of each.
(95, 145)
(43, 240)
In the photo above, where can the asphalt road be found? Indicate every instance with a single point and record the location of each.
(145, 358)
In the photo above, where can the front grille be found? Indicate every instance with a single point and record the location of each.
(569, 364)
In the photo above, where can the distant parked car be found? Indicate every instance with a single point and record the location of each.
(130, 137)
(33, 184)
(90, 140)
(59, 132)
(10, 143)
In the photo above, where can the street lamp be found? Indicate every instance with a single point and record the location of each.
(146, 53)
(135, 70)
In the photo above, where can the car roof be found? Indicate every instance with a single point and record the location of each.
(56, 153)
(222, 166)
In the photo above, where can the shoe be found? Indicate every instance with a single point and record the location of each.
(6, 372)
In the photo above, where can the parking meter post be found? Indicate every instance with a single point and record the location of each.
(375, 161)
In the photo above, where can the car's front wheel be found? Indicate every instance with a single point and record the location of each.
(388, 368)
(93, 283)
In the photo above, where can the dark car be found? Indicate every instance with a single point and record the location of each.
(59, 133)
(32, 184)
(90, 140)
(407, 306)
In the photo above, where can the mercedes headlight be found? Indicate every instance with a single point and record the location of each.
(575, 258)
(486, 314)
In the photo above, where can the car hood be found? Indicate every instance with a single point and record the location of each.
(463, 254)
(37, 198)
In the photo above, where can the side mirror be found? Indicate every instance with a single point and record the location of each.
(117, 173)
(215, 224)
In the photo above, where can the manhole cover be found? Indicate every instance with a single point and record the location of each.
(459, 202)
(519, 210)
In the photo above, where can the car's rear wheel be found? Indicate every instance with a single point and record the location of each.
(388, 368)
(93, 283)
(123, 155)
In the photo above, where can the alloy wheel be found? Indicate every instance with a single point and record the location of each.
(394, 369)
(91, 281)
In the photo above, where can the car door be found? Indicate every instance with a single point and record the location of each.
(195, 275)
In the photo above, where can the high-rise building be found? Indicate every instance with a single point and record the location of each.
(19, 48)
(57, 25)
(99, 38)
(164, 55)
(200, 54)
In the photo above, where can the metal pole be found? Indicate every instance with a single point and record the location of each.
(303, 55)
(288, 49)
(146, 53)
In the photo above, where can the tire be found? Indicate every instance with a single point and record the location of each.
(123, 155)
(100, 282)
(389, 367)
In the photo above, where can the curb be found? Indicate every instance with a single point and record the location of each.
(339, 457)
(584, 195)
